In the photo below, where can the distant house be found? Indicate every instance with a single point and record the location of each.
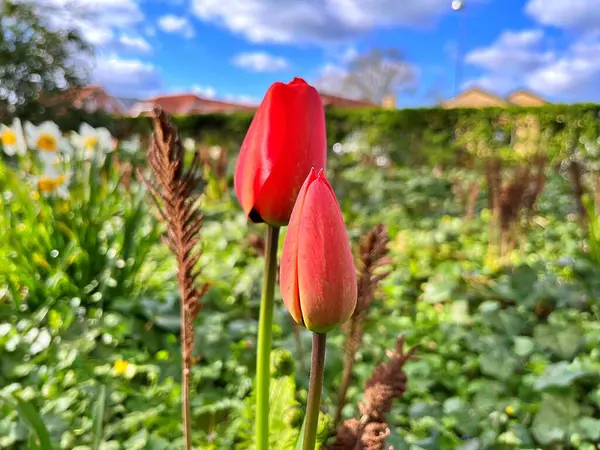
(480, 98)
(525, 98)
(186, 104)
(95, 98)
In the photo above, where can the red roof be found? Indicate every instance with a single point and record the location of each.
(97, 98)
(181, 104)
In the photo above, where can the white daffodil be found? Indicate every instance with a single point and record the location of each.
(52, 182)
(47, 139)
(12, 139)
(95, 142)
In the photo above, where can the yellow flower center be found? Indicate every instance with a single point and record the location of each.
(509, 410)
(47, 143)
(90, 142)
(121, 366)
(9, 137)
(48, 185)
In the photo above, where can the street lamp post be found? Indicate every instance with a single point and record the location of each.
(459, 6)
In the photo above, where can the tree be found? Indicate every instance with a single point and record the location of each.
(371, 76)
(36, 56)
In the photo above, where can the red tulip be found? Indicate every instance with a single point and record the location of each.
(317, 275)
(286, 138)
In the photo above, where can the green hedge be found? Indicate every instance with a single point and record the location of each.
(410, 136)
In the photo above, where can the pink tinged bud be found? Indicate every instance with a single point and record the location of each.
(318, 277)
(286, 138)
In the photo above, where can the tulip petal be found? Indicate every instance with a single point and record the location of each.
(290, 168)
(288, 275)
(326, 272)
(252, 166)
(286, 138)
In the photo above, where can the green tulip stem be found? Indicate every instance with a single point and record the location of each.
(317, 369)
(265, 326)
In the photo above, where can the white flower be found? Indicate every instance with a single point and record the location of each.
(131, 145)
(12, 139)
(215, 152)
(95, 142)
(189, 144)
(52, 182)
(47, 139)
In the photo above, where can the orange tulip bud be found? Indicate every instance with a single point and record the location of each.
(286, 138)
(317, 275)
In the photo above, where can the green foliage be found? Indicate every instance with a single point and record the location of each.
(509, 353)
(410, 137)
(40, 438)
(97, 246)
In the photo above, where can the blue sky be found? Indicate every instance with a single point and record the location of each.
(234, 49)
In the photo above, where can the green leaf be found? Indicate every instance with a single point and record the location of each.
(439, 289)
(98, 418)
(523, 345)
(589, 427)
(300, 442)
(34, 421)
(556, 419)
(562, 341)
(496, 360)
(560, 375)
(138, 441)
(505, 321)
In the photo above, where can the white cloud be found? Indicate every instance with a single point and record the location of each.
(574, 14)
(107, 25)
(523, 60)
(512, 52)
(332, 78)
(349, 55)
(126, 77)
(575, 74)
(204, 91)
(99, 15)
(494, 82)
(260, 62)
(243, 99)
(176, 24)
(135, 43)
(315, 21)
(96, 36)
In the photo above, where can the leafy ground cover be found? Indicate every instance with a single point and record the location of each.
(89, 319)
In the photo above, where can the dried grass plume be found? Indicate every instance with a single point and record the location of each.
(175, 190)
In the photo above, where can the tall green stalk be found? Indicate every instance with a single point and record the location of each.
(317, 369)
(265, 326)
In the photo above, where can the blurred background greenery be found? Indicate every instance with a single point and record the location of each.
(499, 289)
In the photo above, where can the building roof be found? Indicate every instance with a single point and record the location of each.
(98, 98)
(477, 97)
(523, 97)
(181, 104)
